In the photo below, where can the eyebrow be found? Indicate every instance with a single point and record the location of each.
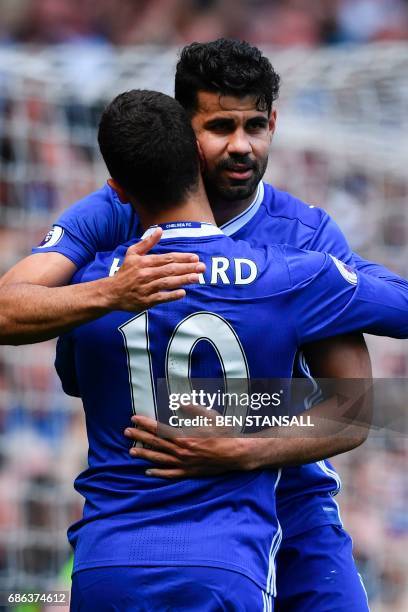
(218, 122)
(227, 122)
(259, 119)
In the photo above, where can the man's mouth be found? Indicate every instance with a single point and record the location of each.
(239, 172)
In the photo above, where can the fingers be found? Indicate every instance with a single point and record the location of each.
(162, 297)
(164, 279)
(175, 472)
(145, 245)
(150, 439)
(174, 270)
(171, 282)
(170, 474)
(164, 432)
(143, 421)
(142, 247)
(155, 457)
(150, 261)
(192, 410)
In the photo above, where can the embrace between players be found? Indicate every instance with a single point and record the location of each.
(217, 523)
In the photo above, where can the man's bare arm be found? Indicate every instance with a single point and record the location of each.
(343, 357)
(34, 306)
(47, 269)
(338, 429)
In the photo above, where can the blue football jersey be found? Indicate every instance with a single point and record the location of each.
(254, 308)
(100, 222)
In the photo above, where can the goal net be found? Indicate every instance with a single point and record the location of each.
(341, 144)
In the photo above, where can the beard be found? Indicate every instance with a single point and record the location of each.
(220, 186)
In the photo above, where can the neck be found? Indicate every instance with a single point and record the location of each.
(195, 208)
(225, 210)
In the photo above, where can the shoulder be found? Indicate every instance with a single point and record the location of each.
(99, 220)
(282, 204)
(302, 265)
(105, 263)
(284, 267)
(100, 204)
(304, 225)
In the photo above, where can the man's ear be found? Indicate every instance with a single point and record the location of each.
(272, 122)
(121, 193)
(201, 157)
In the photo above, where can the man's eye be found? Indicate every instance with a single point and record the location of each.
(219, 127)
(256, 125)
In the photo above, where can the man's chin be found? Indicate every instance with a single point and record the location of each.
(231, 190)
(235, 192)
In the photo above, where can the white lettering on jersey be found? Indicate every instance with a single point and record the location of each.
(346, 271)
(245, 271)
(218, 269)
(253, 271)
(114, 267)
(52, 238)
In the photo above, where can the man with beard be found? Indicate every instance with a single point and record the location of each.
(196, 544)
(228, 89)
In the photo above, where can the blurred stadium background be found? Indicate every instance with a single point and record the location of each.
(342, 144)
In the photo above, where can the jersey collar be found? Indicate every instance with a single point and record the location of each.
(185, 229)
(235, 224)
(189, 229)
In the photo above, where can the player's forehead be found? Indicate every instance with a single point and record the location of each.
(211, 105)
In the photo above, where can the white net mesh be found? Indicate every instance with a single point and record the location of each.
(341, 144)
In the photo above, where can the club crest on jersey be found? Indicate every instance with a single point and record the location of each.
(346, 271)
(52, 238)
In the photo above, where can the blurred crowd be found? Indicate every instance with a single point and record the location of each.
(373, 508)
(307, 23)
(36, 484)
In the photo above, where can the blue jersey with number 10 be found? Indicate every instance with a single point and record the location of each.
(100, 222)
(254, 307)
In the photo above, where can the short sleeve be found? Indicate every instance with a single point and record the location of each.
(95, 224)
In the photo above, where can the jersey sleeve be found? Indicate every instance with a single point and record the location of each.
(97, 223)
(373, 268)
(328, 238)
(331, 298)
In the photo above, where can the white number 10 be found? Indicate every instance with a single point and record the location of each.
(200, 326)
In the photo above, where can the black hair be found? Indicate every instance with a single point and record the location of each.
(149, 147)
(231, 67)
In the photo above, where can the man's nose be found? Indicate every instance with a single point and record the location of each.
(239, 143)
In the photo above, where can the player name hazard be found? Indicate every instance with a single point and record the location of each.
(256, 420)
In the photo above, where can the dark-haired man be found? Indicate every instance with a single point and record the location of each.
(228, 89)
(203, 544)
